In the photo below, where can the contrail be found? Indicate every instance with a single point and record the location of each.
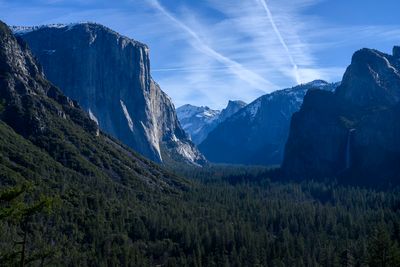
(281, 40)
(190, 69)
(236, 68)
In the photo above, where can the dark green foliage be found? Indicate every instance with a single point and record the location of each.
(116, 208)
(217, 221)
(383, 251)
(15, 212)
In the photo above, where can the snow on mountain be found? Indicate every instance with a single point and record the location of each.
(199, 121)
(26, 29)
(127, 115)
(188, 111)
(257, 133)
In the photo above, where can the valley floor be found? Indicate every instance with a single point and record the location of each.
(225, 217)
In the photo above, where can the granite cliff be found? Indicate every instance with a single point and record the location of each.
(353, 133)
(109, 75)
(47, 132)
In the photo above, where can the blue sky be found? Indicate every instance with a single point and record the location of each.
(205, 52)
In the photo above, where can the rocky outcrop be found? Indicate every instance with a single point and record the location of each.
(257, 133)
(26, 96)
(199, 121)
(47, 138)
(109, 75)
(354, 133)
(231, 109)
(372, 79)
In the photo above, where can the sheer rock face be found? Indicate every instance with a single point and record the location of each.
(26, 97)
(109, 75)
(36, 113)
(198, 122)
(396, 52)
(257, 133)
(353, 133)
(232, 107)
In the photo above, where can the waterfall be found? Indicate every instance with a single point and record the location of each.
(348, 148)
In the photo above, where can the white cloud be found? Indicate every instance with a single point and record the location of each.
(244, 34)
(238, 69)
(235, 53)
(281, 40)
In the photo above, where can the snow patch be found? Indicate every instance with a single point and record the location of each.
(390, 65)
(252, 109)
(127, 116)
(188, 111)
(93, 38)
(93, 117)
(174, 138)
(185, 150)
(153, 139)
(317, 83)
(27, 29)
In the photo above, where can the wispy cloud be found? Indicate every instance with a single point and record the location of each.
(239, 70)
(207, 52)
(286, 51)
(281, 40)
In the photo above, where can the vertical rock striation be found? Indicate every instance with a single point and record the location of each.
(109, 75)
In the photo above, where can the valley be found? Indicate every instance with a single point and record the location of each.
(98, 168)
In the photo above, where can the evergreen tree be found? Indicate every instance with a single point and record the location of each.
(379, 248)
(16, 211)
(346, 259)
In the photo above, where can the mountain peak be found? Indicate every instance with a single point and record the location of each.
(396, 51)
(199, 121)
(24, 82)
(256, 134)
(17, 58)
(86, 26)
(353, 132)
(317, 83)
(109, 74)
(189, 110)
(366, 54)
(232, 107)
(16, 29)
(236, 102)
(372, 79)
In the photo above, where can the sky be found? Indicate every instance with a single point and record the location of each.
(206, 52)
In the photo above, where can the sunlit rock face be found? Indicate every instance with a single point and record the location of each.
(257, 133)
(353, 133)
(109, 75)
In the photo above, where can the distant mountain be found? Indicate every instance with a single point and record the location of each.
(231, 109)
(257, 133)
(353, 133)
(199, 121)
(109, 75)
